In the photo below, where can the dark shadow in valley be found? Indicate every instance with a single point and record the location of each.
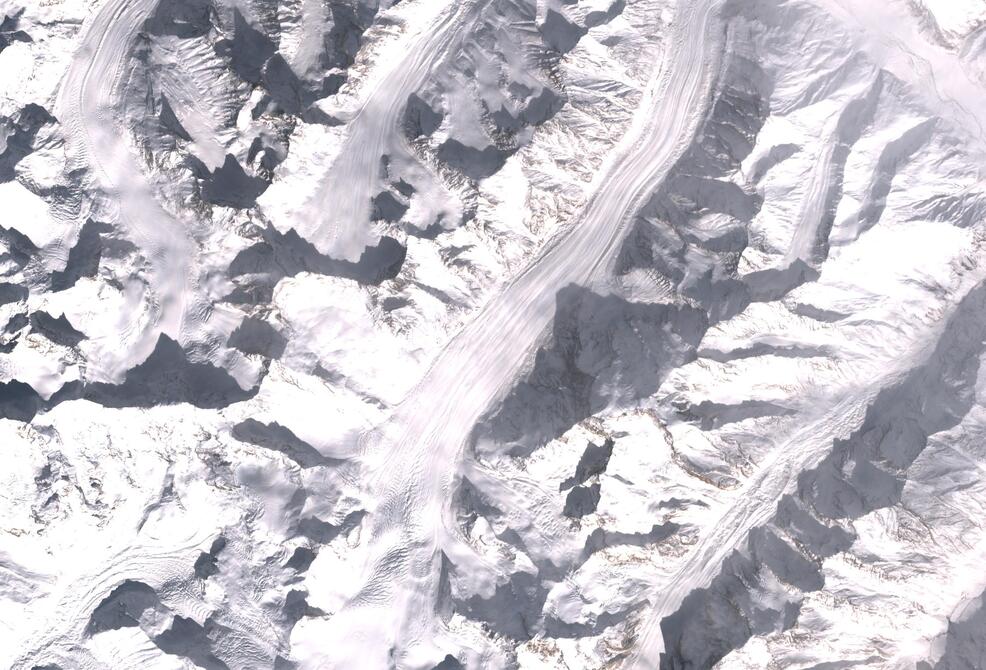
(168, 377)
(603, 349)
(276, 437)
(258, 268)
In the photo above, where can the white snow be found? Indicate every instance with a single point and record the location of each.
(658, 344)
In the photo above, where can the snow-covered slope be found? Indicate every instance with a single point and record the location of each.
(492, 334)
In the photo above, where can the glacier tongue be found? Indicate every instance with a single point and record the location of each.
(492, 334)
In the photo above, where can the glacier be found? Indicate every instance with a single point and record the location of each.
(500, 334)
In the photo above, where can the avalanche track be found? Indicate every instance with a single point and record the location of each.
(410, 457)
(86, 104)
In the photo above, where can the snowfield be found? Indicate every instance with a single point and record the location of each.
(492, 334)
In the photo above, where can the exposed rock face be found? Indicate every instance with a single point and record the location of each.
(492, 334)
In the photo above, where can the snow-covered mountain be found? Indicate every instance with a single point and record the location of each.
(492, 334)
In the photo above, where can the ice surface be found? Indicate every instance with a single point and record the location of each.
(492, 334)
